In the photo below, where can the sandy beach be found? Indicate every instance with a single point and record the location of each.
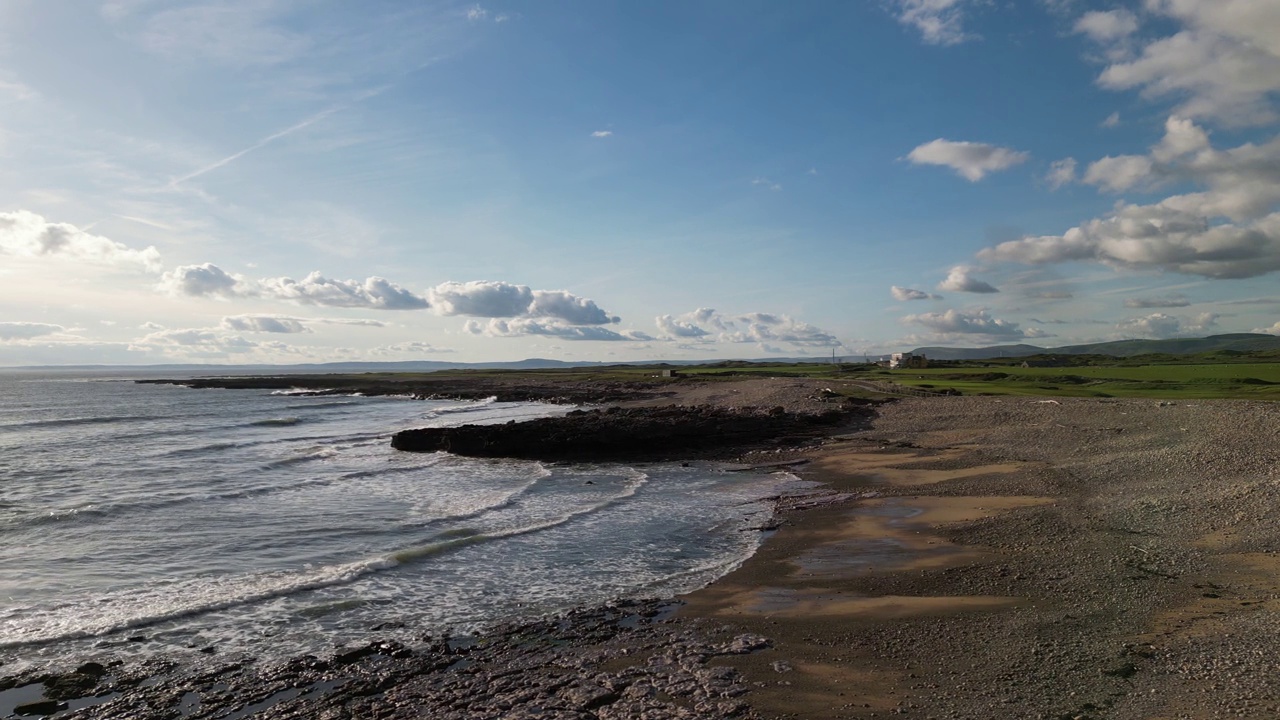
(963, 557)
(1024, 558)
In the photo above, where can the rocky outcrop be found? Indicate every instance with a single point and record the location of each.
(648, 433)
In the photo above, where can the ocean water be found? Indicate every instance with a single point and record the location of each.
(141, 519)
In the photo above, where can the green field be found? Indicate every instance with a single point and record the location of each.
(1167, 377)
(1258, 381)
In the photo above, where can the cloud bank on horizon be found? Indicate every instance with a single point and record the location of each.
(316, 182)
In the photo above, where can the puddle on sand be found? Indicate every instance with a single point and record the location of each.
(788, 602)
(21, 695)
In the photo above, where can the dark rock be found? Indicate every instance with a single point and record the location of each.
(650, 433)
(40, 707)
(92, 668)
(71, 685)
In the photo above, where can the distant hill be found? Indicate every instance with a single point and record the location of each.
(1236, 342)
(381, 367)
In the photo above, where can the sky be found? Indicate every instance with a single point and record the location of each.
(295, 181)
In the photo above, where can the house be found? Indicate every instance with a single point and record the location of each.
(908, 360)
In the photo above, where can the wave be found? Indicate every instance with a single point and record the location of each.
(30, 519)
(167, 601)
(65, 422)
(320, 405)
(466, 408)
(275, 422)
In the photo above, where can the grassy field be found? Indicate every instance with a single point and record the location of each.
(1257, 381)
(1162, 377)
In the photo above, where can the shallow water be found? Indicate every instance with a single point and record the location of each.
(138, 519)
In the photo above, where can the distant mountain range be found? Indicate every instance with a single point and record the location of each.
(1240, 342)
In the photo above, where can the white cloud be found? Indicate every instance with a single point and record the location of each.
(1061, 172)
(1113, 120)
(205, 280)
(1170, 301)
(315, 289)
(477, 13)
(1107, 26)
(770, 328)
(27, 330)
(903, 294)
(961, 279)
(1118, 174)
(26, 234)
(497, 299)
(680, 327)
(1182, 137)
(940, 22)
(209, 280)
(264, 324)
(1273, 330)
(766, 183)
(601, 133)
(196, 343)
(518, 327)
(481, 298)
(1223, 62)
(970, 160)
(709, 325)
(968, 322)
(1160, 326)
(564, 305)
(1229, 230)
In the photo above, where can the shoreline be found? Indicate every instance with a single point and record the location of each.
(968, 557)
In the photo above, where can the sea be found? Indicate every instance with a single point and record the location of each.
(151, 519)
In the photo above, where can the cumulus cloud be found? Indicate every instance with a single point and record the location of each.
(264, 324)
(1160, 326)
(904, 294)
(518, 327)
(27, 330)
(1118, 174)
(939, 22)
(26, 234)
(961, 279)
(206, 280)
(680, 327)
(1222, 63)
(315, 289)
(601, 133)
(1228, 230)
(563, 305)
(971, 160)
(496, 299)
(1273, 330)
(1170, 301)
(481, 298)
(1112, 120)
(1061, 172)
(209, 280)
(969, 322)
(1107, 26)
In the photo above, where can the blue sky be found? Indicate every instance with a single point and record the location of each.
(314, 180)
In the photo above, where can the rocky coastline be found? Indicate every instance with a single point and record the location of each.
(628, 659)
